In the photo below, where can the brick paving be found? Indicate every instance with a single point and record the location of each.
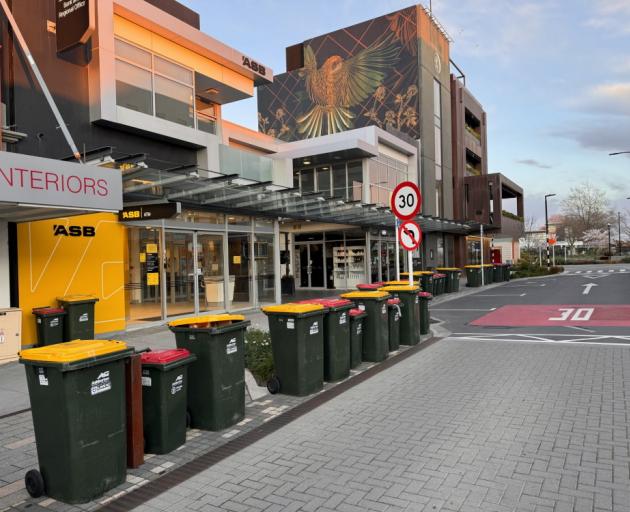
(461, 426)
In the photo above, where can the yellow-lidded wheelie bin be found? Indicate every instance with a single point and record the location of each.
(297, 344)
(409, 308)
(79, 323)
(473, 275)
(376, 327)
(164, 398)
(216, 391)
(77, 393)
(357, 318)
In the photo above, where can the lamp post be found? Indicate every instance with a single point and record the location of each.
(609, 249)
(547, 230)
(619, 226)
(619, 153)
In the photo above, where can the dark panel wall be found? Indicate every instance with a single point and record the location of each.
(68, 83)
(362, 75)
(178, 10)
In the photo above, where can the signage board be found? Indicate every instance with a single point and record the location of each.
(406, 200)
(149, 212)
(75, 20)
(410, 235)
(32, 180)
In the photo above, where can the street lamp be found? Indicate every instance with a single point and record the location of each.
(609, 249)
(618, 153)
(547, 230)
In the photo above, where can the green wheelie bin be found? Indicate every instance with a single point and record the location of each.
(497, 272)
(376, 328)
(77, 393)
(439, 283)
(488, 273)
(297, 344)
(164, 398)
(507, 272)
(216, 391)
(452, 278)
(425, 279)
(393, 313)
(425, 317)
(336, 337)
(409, 310)
(79, 324)
(473, 275)
(357, 318)
(49, 322)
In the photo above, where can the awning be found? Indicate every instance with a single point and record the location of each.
(201, 189)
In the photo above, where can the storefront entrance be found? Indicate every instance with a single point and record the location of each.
(312, 264)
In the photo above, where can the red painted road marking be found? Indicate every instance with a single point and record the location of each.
(581, 315)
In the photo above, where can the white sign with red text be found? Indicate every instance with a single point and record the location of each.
(33, 180)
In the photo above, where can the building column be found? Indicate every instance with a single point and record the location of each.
(5, 292)
(277, 271)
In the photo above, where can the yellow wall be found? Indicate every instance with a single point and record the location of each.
(51, 266)
(162, 46)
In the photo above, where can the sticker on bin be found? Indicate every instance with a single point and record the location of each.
(384, 309)
(84, 317)
(231, 347)
(396, 316)
(417, 300)
(291, 323)
(359, 328)
(39, 320)
(53, 323)
(362, 307)
(314, 328)
(41, 375)
(101, 384)
(146, 381)
(343, 319)
(177, 385)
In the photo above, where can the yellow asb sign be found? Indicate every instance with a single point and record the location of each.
(72, 255)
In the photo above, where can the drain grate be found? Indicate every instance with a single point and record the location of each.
(179, 475)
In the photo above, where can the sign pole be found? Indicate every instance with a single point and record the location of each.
(410, 264)
(481, 253)
(397, 251)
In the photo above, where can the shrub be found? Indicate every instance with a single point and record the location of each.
(258, 356)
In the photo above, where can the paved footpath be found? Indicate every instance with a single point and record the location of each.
(461, 426)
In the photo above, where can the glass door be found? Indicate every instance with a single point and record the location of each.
(211, 281)
(240, 271)
(143, 285)
(316, 260)
(179, 273)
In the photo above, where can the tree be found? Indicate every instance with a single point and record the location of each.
(531, 234)
(586, 209)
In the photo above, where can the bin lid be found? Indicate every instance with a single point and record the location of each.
(72, 351)
(402, 282)
(418, 273)
(400, 288)
(355, 312)
(439, 275)
(164, 356)
(331, 302)
(425, 295)
(365, 295)
(472, 266)
(369, 286)
(293, 308)
(448, 269)
(49, 311)
(393, 302)
(205, 319)
(69, 299)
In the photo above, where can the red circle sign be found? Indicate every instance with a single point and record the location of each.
(406, 200)
(409, 235)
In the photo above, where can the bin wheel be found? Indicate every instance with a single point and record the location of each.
(273, 385)
(188, 419)
(34, 483)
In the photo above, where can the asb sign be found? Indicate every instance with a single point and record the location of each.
(75, 20)
(33, 180)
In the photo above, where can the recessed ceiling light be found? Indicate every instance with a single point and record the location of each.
(306, 162)
(212, 90)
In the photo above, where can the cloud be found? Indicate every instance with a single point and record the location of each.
(611, 15)
(606, 134)
(609, 98)
(533, 163)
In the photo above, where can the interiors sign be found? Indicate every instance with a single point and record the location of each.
(75, 22)
(46, 182)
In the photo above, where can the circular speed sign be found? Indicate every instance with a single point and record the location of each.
(406, 200)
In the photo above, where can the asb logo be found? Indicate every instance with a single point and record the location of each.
(61, 230)
(254, 66)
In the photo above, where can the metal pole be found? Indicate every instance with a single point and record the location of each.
(40, 80)
(398, 252)
(619, 221)
(410, 264)
(553, 254)
(609, 246)
(547, 233)
(481, 253)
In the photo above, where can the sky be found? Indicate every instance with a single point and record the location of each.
(552, 75)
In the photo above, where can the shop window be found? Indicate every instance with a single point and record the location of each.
(174, 71)
(133, 87)
(206, 115)
(173, 101)
(239, 220)
(355, 181)
(307, 177)
(339, 181)
(323, 180)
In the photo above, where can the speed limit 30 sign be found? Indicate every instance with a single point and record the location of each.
(410, 235)
(406, 200)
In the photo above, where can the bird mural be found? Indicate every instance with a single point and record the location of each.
(341, 84)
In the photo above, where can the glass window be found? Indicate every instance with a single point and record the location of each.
(133, 88)
(132, 53)
(339, 180)
(296, 180)
(323, 180)
(206, 115)
(355, 181)
(308, 180)
(239, 220)
(174, 71)
(437, 100)
(263, 253)
(173, 101)
(438, 146)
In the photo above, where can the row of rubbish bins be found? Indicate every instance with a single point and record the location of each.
(73, 319)
(319, 340)
(78, 400)
(492, 273)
